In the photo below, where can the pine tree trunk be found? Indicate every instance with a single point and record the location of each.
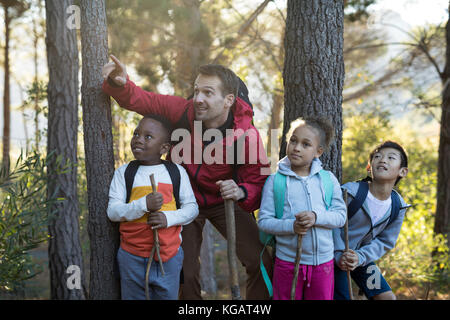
(6, 94)
(36, 80)
(442, 219)
(208, 281)
(314, 68)
(64, 245)
(103, 234)
(193, 42)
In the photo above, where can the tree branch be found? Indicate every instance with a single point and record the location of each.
(383, 78)
(242, 30)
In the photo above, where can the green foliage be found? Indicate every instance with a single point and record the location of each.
(362, 132)
(24, 214)
(411, 264)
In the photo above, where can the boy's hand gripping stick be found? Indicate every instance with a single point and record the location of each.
(155, 248)
(231, 249)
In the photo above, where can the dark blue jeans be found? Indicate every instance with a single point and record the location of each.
(368, 278)
(132, 277)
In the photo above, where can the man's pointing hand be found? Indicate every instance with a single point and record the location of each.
(116, 71)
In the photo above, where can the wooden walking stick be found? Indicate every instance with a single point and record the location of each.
(349, 279)
(231, 249)
(297, 266)
(155, 248)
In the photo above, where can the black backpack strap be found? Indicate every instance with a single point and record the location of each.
(175, 176)
(243, 93)
(130, 172)
(359, 199)
(396, 204)
(183, 122)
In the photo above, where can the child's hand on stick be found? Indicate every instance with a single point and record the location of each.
(306, 218)
(351, 259)
(154, 201)
(303, 221)
(299, 229)
(157, 220)
(348, 261)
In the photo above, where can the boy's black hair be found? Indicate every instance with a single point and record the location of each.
(393, 145)
(164, 122)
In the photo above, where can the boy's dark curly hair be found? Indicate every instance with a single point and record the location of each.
(167, 125)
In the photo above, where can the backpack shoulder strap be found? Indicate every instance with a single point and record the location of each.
(130, 172)
(325, 178)
(395, 209)
(175, 176)
(183, 122)
(279, 190)
(359, 199)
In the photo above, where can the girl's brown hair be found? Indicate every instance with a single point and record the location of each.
(321, 124)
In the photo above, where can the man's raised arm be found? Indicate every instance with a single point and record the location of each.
(131, 97)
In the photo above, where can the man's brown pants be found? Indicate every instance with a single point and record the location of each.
(248, 250)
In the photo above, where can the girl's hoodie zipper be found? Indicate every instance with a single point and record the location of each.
(313, 230)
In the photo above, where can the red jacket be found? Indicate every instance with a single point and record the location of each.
(251, 175)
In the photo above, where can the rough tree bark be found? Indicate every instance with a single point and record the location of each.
(208, 281)
(193, 43)
(314, 68)
(103, 234)
(12, 9)
(193, 47)
(6, 93)
(442, 219)
(36, 38)
(64, 245)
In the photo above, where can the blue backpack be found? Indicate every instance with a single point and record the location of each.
(279, 188)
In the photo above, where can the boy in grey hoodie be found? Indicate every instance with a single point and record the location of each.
(305, 213)
(372, 230)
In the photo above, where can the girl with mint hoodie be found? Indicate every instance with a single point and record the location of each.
(305, 213)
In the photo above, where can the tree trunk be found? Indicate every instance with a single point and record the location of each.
(314, 69)
(193, 43)
(274, 126)
(442, 219)
(36, 80)
(6, 94)
(207, 270)
(64, 245)
(103, 234)
(193, 47)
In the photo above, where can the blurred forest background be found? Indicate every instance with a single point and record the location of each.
(392, 90)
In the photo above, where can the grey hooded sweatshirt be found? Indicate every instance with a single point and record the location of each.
(370, 242)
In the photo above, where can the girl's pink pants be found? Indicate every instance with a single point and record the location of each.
(314, 282)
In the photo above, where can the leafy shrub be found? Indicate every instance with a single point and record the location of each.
(24, 215)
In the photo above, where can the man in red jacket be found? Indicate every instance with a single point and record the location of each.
(217, 115)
